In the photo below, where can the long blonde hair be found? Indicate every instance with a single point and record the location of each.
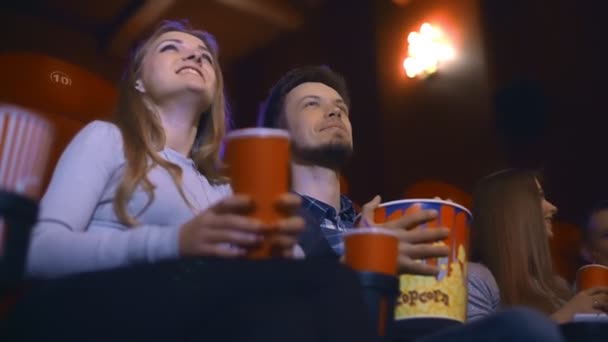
(143, 135)
(509, 237)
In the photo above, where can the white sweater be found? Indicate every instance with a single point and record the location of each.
(78, 230)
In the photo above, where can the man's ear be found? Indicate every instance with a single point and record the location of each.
(139, 86)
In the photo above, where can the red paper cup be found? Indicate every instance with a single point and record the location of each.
(590, 276)
(371, 250)
(257, 161)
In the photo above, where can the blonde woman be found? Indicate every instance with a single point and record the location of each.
(146, 187)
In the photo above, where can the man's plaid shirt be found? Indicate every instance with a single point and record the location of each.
(333, 225)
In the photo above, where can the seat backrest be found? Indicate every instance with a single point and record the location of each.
(68, 95)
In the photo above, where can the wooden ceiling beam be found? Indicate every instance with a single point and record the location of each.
(278, 13)
(140, 16)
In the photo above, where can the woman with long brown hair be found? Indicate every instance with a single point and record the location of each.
(511, 261)
(147, 187)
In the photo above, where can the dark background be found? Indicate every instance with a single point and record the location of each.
(527, 87)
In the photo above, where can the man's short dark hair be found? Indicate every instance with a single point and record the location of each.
(597, 207)
(271, 113)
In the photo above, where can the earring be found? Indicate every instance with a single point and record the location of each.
(139, 86)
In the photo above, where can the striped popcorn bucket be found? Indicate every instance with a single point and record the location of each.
(25, 142)
(443, 296)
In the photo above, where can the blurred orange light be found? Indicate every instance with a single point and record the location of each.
(427, 48)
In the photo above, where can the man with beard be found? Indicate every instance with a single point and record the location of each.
(312, 103)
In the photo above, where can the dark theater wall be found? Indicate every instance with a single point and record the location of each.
(442, 127)
(553, 63)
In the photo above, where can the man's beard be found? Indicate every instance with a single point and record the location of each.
(332, 156)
